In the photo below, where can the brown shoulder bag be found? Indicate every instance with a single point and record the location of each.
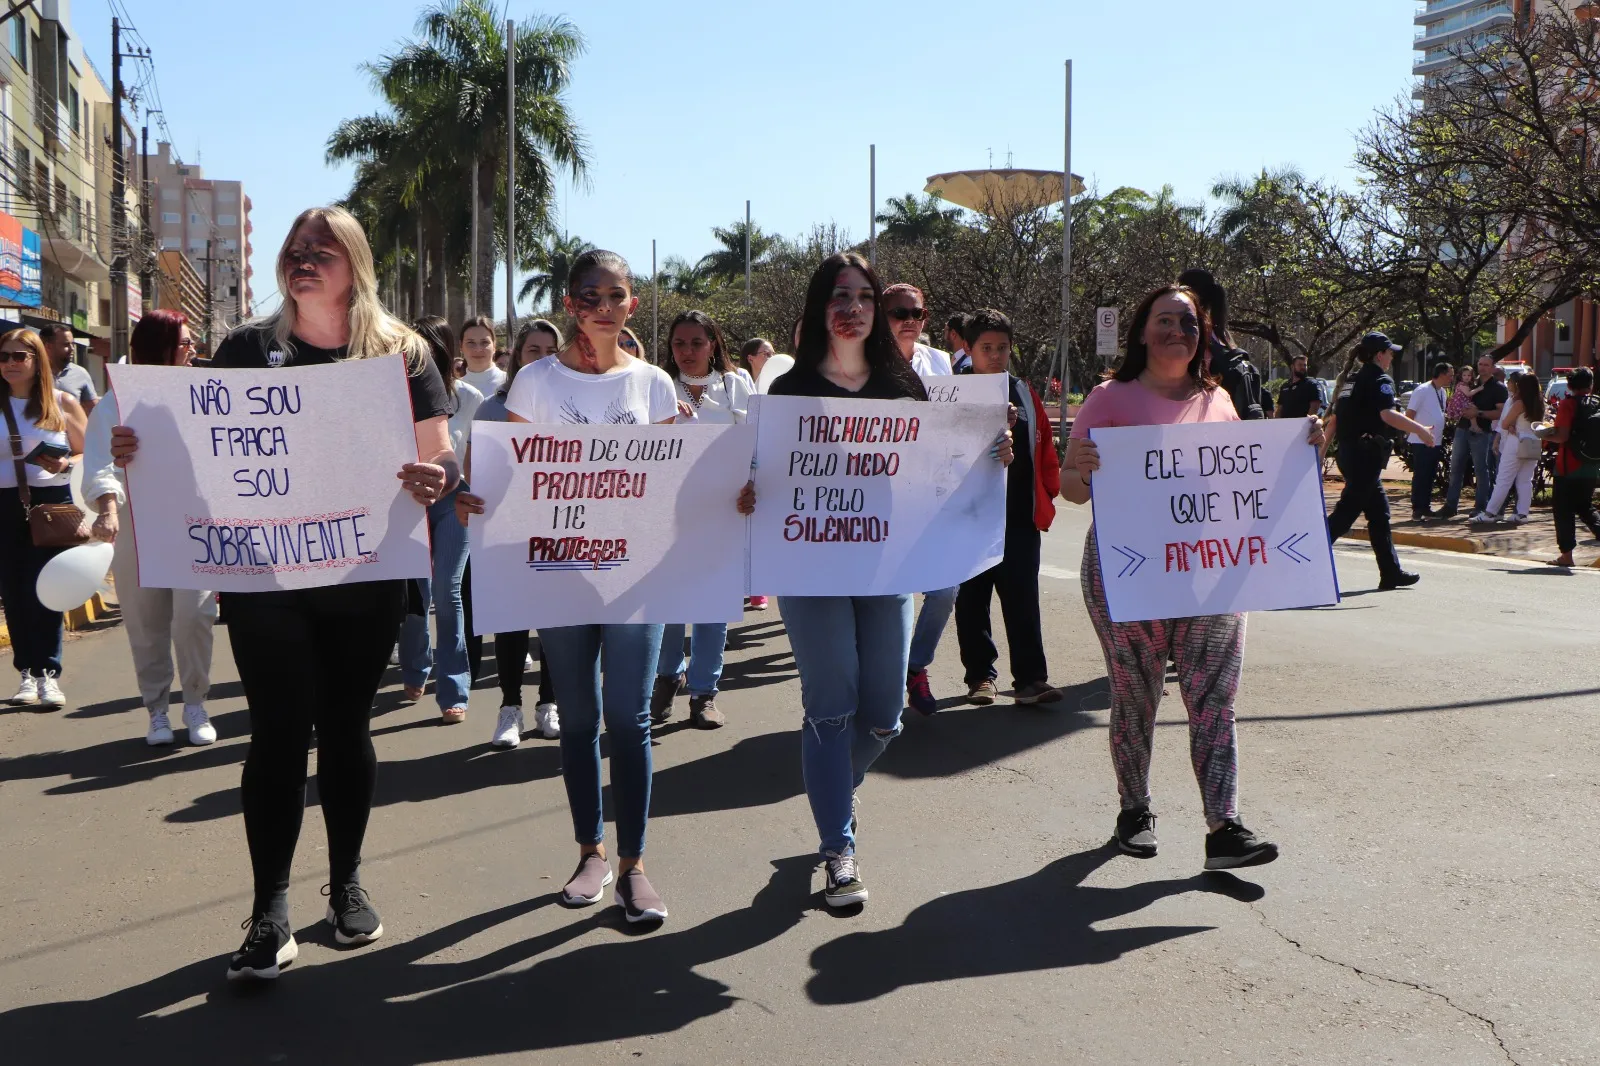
(51, 525)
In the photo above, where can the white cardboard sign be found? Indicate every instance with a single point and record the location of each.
(254, 480)
(874, 497)
(968, 388)
(1210, 518)
(589, 524)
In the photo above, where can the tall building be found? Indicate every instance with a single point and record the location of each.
(56, 166)
(206, 219)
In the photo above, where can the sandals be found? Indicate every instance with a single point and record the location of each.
(453, 715)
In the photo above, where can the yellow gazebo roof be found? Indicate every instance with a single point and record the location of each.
(978, 190)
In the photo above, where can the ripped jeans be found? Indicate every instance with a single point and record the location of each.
(851, 652)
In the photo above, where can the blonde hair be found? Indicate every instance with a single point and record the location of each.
(373, 330)
(41, 408)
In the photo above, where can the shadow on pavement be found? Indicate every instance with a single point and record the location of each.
(387, 1006)
(1044, 921)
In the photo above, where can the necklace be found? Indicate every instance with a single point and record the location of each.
(702, 381)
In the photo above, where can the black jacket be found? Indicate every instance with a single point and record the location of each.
(1241, 378)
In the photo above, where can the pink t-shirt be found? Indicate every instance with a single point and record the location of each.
(1128, 403)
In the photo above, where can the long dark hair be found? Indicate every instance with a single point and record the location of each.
(719, 349)
(1212, 297)
(883, 354)
(441, 341)
(1527, 386)
(751, 347)
(1137, 356)
(154, 341)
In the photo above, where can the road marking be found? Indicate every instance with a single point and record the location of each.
(1058, 573)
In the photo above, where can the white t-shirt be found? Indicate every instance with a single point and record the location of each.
(549, 392)
(1427, 406)
(467, 401)
(487, 382)
(930, 362)
(724, 402)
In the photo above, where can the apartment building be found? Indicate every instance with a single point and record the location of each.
(179, 286)
(56, 177)
(206, 219)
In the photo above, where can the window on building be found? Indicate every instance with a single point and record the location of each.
(1563, 331)
(194, 219)
(172, 244)
(171, 217)
(72, 106)
(19, 41)
(41, 185)
(24, 172)
(227, 220)
(196, 244)
(169, 194)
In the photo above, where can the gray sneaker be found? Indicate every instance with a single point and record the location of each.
(1136, 832)
(639, 901)
(704, 714)
(588, 882)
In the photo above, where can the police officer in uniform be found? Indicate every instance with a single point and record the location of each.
(1366, 419)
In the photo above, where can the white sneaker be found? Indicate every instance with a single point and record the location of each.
(27, 693)
(508, 730)
(527, 662)
(547, 721)
(201, 731)
(160, 731)
(50, 694)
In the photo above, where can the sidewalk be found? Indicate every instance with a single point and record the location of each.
(1534, 539)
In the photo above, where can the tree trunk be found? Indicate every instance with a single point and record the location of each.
(488, 172)
(456, 311)
(438, 271)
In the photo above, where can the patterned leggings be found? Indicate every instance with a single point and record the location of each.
(1208, 653)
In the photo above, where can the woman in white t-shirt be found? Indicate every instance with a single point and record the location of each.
(1520, 449)
(447, 662)
(601, 669)
(716, 395)
(1427, 405)
(477, 352)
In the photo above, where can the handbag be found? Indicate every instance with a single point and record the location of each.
(1529, 447)
(50, 525)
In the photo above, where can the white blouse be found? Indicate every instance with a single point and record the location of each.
(32, 437)
(725, 401)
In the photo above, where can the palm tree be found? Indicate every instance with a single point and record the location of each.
(447, 91)
(727, 262)
(910, 220)
(693, 280)
(1247, 204)
(553, 258)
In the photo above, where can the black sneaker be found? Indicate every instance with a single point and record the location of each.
(268, 947)
(350, 912)
(1233, 846)
(661, 697)
(1136, 832)
(844, 887)
(1399, 580)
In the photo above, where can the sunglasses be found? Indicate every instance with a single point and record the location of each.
(903, 314)
(15, 357)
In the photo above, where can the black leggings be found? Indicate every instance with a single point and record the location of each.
(313, 657)
(510, 658)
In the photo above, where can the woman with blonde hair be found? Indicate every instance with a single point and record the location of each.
(45, 430)
(315, 657)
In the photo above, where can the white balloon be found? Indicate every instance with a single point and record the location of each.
(776, 366)
(71, 578)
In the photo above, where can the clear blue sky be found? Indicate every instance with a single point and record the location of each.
(693, 106)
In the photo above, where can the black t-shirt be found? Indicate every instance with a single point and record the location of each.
(253, 348)
(1489, 397)
(1296, 397)
(1361, 413)
(881, 385)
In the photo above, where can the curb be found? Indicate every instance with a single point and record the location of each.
(1465, 545)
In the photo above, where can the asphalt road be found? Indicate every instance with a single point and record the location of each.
(1425, 758)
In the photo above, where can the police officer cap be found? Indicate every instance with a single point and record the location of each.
(1375, 342)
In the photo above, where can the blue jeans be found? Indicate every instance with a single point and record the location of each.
(707, 641)
(1477, 449)
(1424, 468)
(852, 653)
(449, 659)
(574, 655)
(931, 620)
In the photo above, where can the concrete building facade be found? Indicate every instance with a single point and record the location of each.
(205, 219)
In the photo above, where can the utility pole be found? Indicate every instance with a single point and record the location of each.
(210, 302)
(119, 207)
(746, 252)
(1062, 359)
(417, 310)
(655, 302)
(472, 257)
(511, 181)
(872, 207)
(147, 273)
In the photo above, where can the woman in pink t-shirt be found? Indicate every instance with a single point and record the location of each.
(1162, 381)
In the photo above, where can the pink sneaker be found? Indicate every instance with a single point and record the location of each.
(756, 603)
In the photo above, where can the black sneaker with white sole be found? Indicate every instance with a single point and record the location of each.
(352, 915)
(268, 947)
(1233, 846)
(1136, 832)
(844, 887)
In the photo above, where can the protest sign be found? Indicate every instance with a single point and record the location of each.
(871, 497)
(252, 480)
(595, 523)
(1210, 518)
(968, 388)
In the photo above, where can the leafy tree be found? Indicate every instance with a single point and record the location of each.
(911, 220)
(552, 257)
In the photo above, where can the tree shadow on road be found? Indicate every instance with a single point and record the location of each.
(386, 1006)
(1044, 921)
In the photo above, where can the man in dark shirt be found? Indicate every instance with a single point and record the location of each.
(1299, 396)
(1230, 365)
